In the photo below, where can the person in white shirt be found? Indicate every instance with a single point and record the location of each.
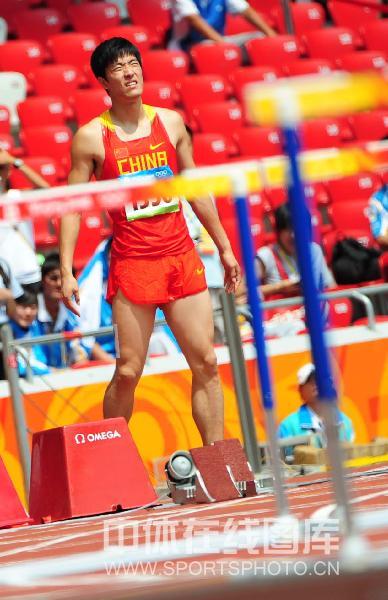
(197, 20)
(17, 246)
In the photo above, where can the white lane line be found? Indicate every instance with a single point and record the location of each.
(325, 511)
(122, 521)
(45, 544)
(23, 573)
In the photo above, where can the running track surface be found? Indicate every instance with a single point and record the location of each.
(204, 575)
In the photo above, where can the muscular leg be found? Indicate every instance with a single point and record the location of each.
(191, 321)
(134, 324)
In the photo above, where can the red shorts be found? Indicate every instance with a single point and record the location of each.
(156, 280)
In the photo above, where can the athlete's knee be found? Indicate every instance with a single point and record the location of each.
(206, 365)
(128, 372)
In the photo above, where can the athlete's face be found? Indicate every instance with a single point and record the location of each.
(124, 78)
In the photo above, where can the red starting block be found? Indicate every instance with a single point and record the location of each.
(213, 473)
(86, 469)
(234, 456)
(11, 509)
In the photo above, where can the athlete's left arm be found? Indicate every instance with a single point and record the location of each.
(205, 210)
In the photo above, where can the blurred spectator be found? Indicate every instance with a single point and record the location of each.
(378, 216)
(17, 244)
(10, 290)
(92, 284)
(7, 162)
(198, 20)
(23, 313)
(278, 273)
(277, 264)
(307, 419)
(53, 316)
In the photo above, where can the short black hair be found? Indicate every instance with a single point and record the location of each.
(109, 51)
(282, 216)
(27, 298)
(51, 262)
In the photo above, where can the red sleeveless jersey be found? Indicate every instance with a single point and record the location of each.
(147, 231)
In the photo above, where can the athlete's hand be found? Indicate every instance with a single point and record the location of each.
(70, 291)
(232, 271)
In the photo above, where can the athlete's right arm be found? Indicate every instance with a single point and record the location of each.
(82, 166)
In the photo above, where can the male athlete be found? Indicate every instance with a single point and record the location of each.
(153, 260)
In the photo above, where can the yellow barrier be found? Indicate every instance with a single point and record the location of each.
(296, 98)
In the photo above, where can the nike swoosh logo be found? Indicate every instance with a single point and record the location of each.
(200, 271)
(156, 146)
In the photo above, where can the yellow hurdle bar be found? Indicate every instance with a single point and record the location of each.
(316, 165)
(311, 96)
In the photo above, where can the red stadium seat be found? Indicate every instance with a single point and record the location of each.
(45, 234)
(340, 312)
(159, 93)
(165, 65)
(329, 43)
(5, 124)
(259, 141)
(266, 8)
(370, 125)
(316, 194)
(7, 142)
(73, 48)
(61, 5)
(89, 104)
(54, 141)
(375, 36)
(138, 35)
(325, 132)
(38, 24)
(226, 208)
(346, 14)
(9, 9)
(236, 24)
(220, 117)
(47, 167)
(93, 17)
(216, 59)
(273, 51)
(367, 60)
(153, 14)
(49, 110)
(355, 187)
(305, 66)
(88, 239)
(356, 218)
(201, 89)
(22, 56)
(244, 75)
(307, 16)
(209, 149)
(64, 79)
(276, 196)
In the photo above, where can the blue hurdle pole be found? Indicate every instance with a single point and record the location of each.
(243, 217)
(315, 321)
